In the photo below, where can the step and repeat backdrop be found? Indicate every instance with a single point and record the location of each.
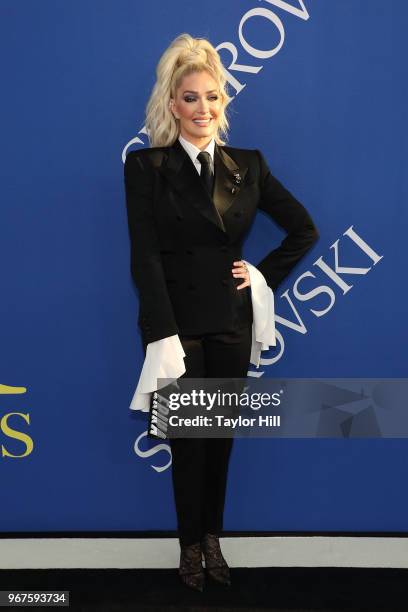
(320, 88)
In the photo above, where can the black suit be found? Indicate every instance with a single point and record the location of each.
(182, 250)
(183, 245)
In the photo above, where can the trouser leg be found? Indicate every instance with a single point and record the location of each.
(188, 476)
(188, 460)
(226, 355)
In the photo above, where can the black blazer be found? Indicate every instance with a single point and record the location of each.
(183, 243)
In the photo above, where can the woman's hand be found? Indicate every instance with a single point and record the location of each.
(241, 271)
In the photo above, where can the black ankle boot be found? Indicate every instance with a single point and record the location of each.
(215, 564)
(191, 570)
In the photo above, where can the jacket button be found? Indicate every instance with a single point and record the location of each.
(189, 252)
(191, 287)
(224, 281)
(179, 217)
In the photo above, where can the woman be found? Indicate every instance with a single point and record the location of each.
(190, 201)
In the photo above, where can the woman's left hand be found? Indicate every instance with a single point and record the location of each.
(241, 271)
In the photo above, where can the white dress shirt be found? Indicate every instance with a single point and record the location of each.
(165, 358)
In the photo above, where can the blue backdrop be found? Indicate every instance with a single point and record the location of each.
(320, 88)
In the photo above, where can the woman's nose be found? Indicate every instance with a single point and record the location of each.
(203, 106)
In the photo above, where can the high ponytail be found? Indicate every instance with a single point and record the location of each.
(183, 56)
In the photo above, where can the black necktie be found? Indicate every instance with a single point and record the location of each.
(206, 174)
(208, 179)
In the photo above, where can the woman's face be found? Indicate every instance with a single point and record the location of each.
(198, 106)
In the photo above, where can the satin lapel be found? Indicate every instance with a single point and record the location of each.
(229, 178)
(179, 170)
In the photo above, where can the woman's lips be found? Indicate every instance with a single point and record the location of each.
(202, 123)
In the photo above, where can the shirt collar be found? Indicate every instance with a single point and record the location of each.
(193, 151)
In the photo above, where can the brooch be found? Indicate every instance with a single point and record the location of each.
(237, 178)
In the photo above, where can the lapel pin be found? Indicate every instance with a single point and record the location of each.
(237, 178)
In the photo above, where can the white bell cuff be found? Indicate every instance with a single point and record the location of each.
(164, 359)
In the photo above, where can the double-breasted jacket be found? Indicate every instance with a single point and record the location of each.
(184, 242)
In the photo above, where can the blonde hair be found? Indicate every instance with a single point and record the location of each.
(183, 56)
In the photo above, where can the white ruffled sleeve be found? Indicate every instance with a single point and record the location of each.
(263, 307)
(164, 359)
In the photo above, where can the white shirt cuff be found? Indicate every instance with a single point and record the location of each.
(164, 359)
(263, 307)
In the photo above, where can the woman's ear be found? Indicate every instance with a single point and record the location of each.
(171, 107)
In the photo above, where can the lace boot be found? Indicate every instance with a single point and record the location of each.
(215, 564)
(191, 570)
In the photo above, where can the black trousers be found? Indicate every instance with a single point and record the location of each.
(200, 465)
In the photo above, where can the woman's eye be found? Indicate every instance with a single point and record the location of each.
(191, 99)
